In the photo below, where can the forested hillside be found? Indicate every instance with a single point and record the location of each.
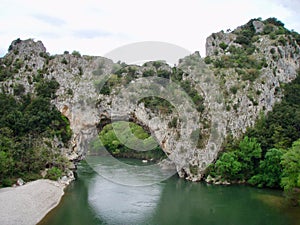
(32, 132)
(268, 154)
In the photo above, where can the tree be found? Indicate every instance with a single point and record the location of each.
(27, 127)
(249, 154)
(291, 173)
(76, 53)
(128, 135)
(228, 166)
(54, 173)
(270, 170)
(240, 162)
(6, 165)
(47, 88)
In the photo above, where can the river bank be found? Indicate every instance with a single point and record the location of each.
(29, 204)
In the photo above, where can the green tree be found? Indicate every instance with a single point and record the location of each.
(239, 162)
(228, 166)
(54, 173)
(76, 53)
(6, 165)
(47, 88)
(249, 154)
(27, 127)
(291, 173)
(127, 133)
(270, 170)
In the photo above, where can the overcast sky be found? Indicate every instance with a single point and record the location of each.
(94, 27)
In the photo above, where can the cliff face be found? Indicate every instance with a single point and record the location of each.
(220, 95)
(252, 71)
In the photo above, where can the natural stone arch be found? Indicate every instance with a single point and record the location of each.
(182, 151)
(86, 114)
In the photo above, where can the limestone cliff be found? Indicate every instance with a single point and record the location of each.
(221, 95)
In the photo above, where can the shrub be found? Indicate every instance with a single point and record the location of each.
(282, 41)
(54, 173)
(64, 61)
(223, 46)
(19, 89)
(148, 73)
(194, 169)
(156, 104)
(272, 36)
(164, 74)
(251, 75)
(243, 40)
(207, 60)
(274, 21)
(157, 64)
(70, 92)
(234, 89)
(173, 123)
(268, 29)
(80, 71)
(7, 182)
(272, 51)
(76, 53)
(47, 88)
(31, 176)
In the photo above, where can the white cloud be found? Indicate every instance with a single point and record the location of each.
(96, 27)
(54, 21)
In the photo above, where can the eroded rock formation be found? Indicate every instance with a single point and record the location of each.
(238, 80)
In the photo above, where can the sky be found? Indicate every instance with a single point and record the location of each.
(95, 27)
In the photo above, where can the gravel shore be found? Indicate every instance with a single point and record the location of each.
(28, 204)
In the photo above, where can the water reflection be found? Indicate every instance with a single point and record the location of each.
(124, 173)
(119, 204)
(116, 203)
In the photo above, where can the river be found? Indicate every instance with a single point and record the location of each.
(93, 199)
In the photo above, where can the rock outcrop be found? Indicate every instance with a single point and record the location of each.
(240, 78)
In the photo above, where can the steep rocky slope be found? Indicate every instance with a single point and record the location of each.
(252, 63)
(212, 98)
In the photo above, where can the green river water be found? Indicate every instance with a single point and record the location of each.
(92, 199)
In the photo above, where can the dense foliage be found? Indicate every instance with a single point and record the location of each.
(281, 127)
(291, 173)
(127, 133)
(240, 162)
(269, 154)
(27, 126)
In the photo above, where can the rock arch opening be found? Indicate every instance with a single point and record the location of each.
(126, 139)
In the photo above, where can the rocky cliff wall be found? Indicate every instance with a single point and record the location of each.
(237, 80)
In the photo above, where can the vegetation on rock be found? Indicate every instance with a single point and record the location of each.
(28, 125)
(128, 132)
(250, 79)
(271, 159)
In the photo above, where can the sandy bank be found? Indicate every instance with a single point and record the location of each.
(28, 204)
